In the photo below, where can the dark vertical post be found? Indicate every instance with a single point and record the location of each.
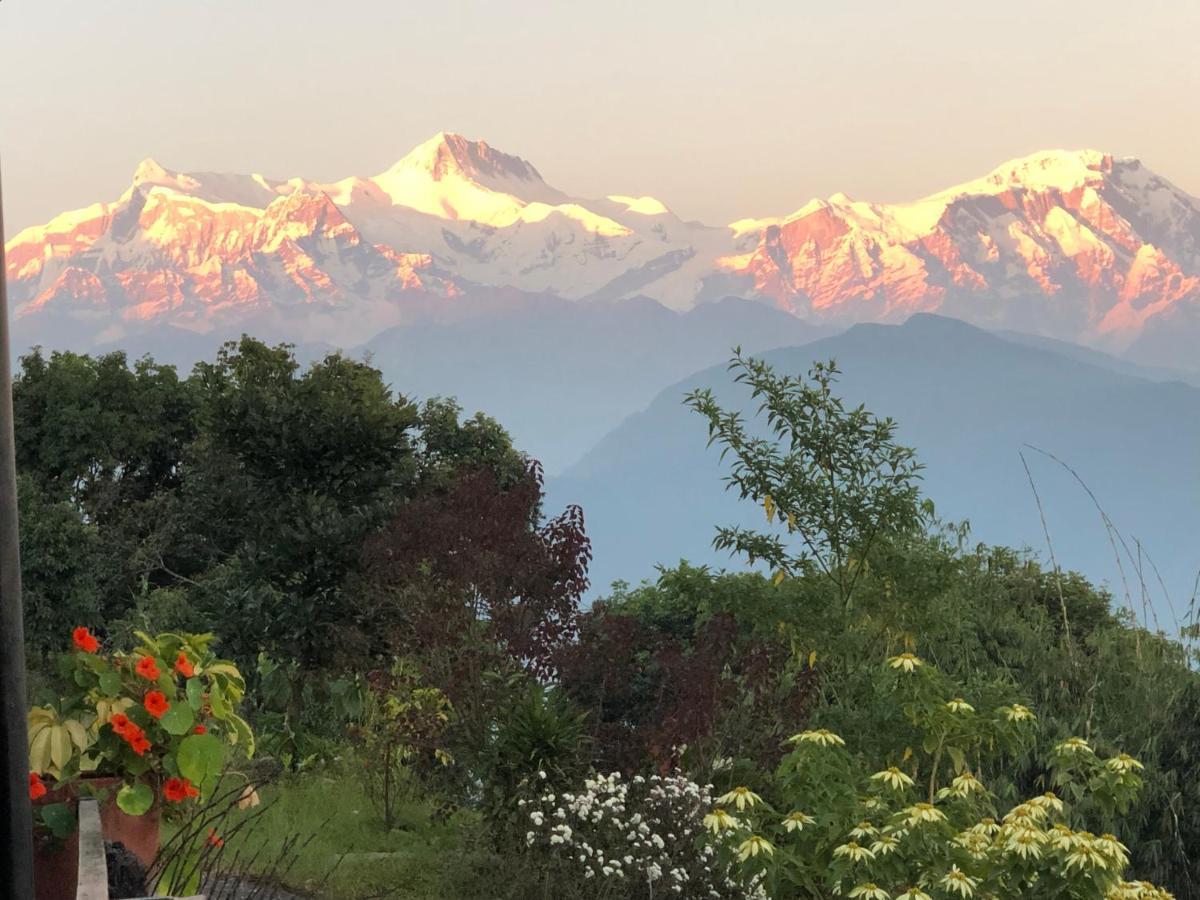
(16, 831)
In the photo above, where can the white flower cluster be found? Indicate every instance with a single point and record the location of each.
(643, 833)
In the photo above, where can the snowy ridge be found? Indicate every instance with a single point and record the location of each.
(1076, 245)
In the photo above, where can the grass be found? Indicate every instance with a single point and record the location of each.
(349, 854)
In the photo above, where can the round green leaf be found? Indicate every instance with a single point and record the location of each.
(59, 819)
(201, 758)
(178, 719)
(110, 684)
(135, 799)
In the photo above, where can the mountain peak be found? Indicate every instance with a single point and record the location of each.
(1052, 169)
(447, 154)
(151, 172)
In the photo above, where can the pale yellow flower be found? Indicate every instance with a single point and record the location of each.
(797, 820)
(893, 778)
(1072, 746)
(959, 882)
(1048, 801)
(975, 843)
(753, 846)
(919, 813)
(1025, 842)
(905, 662)
(741, 797)
(913, 893)
(960, 706)
(987, 827)
(1087, 856)
(1062, 838)
(822, 737)
(854, 852)
(870, 891)
(1113, 849)
(718, 820)
(1123, 763)
(1017, 713)
(863, 830)
(964, 785)
(885, 844)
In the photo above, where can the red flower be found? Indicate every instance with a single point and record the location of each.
(36, 788)
(120, 724)
(136, 738)
(147, 668)
(156, 704)
(200, 729)
(213, 839)
(184, 667)
(85, 640)
(179, 789)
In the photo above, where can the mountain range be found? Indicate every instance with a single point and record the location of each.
(1071, 245)
(579, 323)
(972, 403)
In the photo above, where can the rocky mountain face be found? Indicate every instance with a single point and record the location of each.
(1077, 246)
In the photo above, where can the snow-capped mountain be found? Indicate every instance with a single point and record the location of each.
(1068, 244)
(1072, 245)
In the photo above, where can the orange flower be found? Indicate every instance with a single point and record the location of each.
(36, 788)
(214, 839)
(136, 738)
(156, 703)
(147, 668)
(183, 666)
(200, 729)
(85, 640)
(120, 724)
(179, 789)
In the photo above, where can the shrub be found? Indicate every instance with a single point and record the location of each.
(922, 826)
(628, 838)
(404, 726)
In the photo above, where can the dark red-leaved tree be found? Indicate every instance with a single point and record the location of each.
(650, 693)
(474, 561)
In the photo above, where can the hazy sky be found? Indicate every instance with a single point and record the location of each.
(721, 110)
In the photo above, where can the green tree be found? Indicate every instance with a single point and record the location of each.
(833, 480)
(99, 444)
(289, 473)
(59, 562)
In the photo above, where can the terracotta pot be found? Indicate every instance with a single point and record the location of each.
(139, 834)
(55, 862)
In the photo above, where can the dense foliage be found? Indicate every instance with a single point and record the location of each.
(403, 609)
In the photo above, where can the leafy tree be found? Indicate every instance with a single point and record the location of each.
(833, 478)
(447, 445)
(288, 475)
(478, 555)
(97, 432)
(59, 557)
(99, 443)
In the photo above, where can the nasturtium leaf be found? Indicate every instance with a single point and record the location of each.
(201, 758)
(178, 719)
(135, 799)
(59, 819)
(110, 684)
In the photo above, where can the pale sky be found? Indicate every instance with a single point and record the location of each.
(721, 110)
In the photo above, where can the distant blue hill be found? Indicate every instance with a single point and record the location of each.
(969, 401)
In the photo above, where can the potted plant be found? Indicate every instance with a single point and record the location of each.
(146, 731)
